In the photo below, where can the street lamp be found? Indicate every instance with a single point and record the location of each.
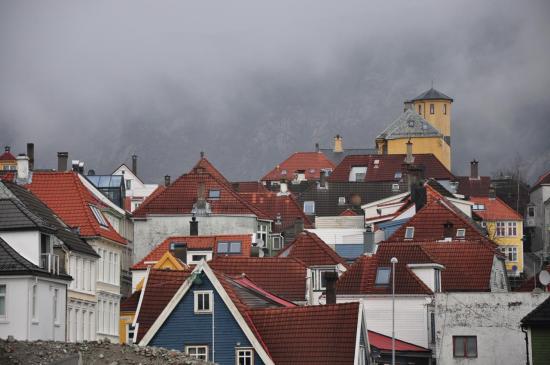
(393, 262)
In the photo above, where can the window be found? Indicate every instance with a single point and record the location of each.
(500, 231)
(198, 352)
(409, 233)
(203, 301)
(55, 310)
(130, 331)
(382, 276)
(445, 109)
(437, 281)
(277, 242)
(3, 301)
(420, 109)
(342, 200)
(198, 257)
(229, 247)
(213, 194)
(398, 175)
(319, 279)
(461, 233)
(432, 327)
(511, 253)
(512, 229)
(394, 187)
(244, 356)
(432, 109)
(309, 207)
(358, 173)
(34, 302)
(262, 233)
(283, 172)
(478, 207)
(99, 216)
(531, 211)
(464, 346)
(128, 184)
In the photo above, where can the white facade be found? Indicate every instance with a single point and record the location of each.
(135, 188)
(26, 243)
(493, 319)
(34, 308)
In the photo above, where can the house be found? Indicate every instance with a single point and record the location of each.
(299, 167)
(473, 185)
(426, 122)
(8, 162)
(483, 328)
(320, 260)
(337, 153)
(32, 298)
(237, 321)
(537, 324)
(190, 250)
(66, 194)
(504, 227)
(285, 212)
(205, 194)
(538, 216)
(112, 186)
(422, 270)
(136, 190)
(37, 234)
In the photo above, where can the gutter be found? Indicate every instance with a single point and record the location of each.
(526, 345)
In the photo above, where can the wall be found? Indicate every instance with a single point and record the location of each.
(493, 317)
(149, 233)
(441, 122)
(411, 315)
(512, 241)
(27, 244)
(434, 145)
(336, 236)
(541, 237)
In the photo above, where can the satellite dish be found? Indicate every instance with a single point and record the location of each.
(544, 277)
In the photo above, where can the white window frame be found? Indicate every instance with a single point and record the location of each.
(99, 216)
(196, 295)
(277, 242)
(461, 233)
(4, 317)
(196, 355)
(395, 187)
(437, 281)
(500, 229)
(309, 207)
(341, 200)
(511, 226)
(245, 353)
(407, 235)
(357, 170)
(379, 282)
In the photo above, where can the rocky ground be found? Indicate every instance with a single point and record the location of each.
(91, 353)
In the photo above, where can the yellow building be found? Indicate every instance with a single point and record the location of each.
(129, 306)
(504, 227)
(7, 160)
(426, 122)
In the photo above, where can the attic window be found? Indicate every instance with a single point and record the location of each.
(214, 194)
(309, 207)
(478, 207)
(398, 175)
(409, 233)
(394, 187)
(358, 173)
(283, 172)
(176, 245)
(99, 216)
(342, 200)
(461, 233)
(229, 248)
(382, 276)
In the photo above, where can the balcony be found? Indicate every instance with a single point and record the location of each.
(50, 262)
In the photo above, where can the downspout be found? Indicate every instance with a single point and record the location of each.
(213, 332)
(526, 344)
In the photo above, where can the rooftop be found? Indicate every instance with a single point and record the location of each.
(312, 250)
(311, 163)
(432, 94)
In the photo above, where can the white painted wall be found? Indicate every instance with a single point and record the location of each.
(26, 243)
(411, 315)
(493, 317)
(356, 222)
(426, 274)
(334, 236)
(149, 233)
(19, 322)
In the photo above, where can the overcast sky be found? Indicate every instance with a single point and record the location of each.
(250, 82)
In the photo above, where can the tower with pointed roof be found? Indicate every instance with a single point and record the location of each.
(426, 122)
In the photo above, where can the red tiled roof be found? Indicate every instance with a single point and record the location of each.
(428, 223)
(130, 304)
(158, 291)
(543, 179)
(7, 156)
(181, 195)
(348, 213)
(249, 284)
(285, 277)
(477, 187)
(249, 187)
(284, 206)
(324, 334)
(64, 193)
(312, 250)
(384, 343)
(495, 209)
(310, 162)
(388, 165)
(194, 243)
(468, 266)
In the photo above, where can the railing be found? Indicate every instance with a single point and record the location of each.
(50, 262)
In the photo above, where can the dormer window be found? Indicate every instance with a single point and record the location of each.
(214, 194)
(461, 233)
(531, 211)
(358, 173)
(382, 276)
(99, 216)
(409, 233)
(394, 188)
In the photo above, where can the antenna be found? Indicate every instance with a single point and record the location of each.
(432, 84)
(544, 277)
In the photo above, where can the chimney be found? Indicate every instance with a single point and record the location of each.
(418, 195)
(368, 240)
(166, 180)
(492, 192)
(283, 188)
(134, 164)
(193, 226)
(474, 170)
(298, 225)
(62, 158)
(323, 179)
(409, 159)
(331, 277)
(23, 169)
(7, 149)
(447, 230)
(317, 147)
(338, 144)
(30, 154)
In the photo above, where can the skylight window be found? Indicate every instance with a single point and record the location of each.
(398, 175)
(461, 233)
(409, 233)
(395, 187)
(382, 276)
(478, 207)
(99, 216)
(309, 207)
(342, 200)
(357, 173)
(229, 248)
(214, 194)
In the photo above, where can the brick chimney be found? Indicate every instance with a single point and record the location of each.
(448, 230)
(474, 174)
(330, 279)
(298, 225)
(338, 144)
(62, 158)
(368, 240)
(166, 180)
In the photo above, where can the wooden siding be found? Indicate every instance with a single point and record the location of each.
(541, 345)
(184, 327)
